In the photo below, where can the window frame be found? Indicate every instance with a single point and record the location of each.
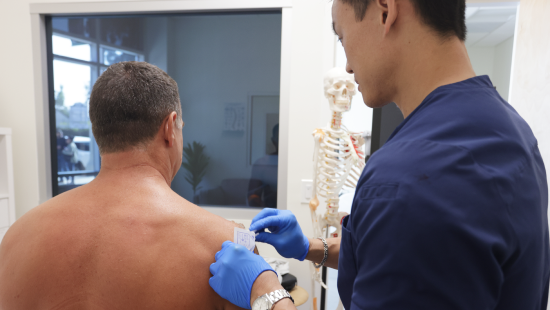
(43, 77)
(96, 65)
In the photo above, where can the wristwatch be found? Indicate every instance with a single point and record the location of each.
(266, 301)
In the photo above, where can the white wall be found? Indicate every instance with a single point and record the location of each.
(502, 67)
(482, 59)
(530, 87)
(17, 100)
(496, 62)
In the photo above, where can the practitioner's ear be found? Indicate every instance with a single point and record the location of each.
(388, 13)
(170, 125)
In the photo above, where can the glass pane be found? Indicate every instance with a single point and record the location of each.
(111, 56)
(229, 89)
(264, 155)
(126, 32)
(77, 156)
(73, 48)
(228, 73)
(79, 26)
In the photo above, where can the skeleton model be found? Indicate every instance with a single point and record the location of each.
(338, 160)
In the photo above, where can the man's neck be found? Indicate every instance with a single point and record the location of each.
(136, 165)
(431, 65)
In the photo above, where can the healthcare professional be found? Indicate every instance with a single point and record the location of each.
(451, 213)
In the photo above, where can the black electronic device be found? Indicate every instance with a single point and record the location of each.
(384, 122)
(289, 282)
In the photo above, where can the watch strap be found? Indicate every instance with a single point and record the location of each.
(277, 295)
(270, 299)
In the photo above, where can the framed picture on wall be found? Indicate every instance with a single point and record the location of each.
(264, 127)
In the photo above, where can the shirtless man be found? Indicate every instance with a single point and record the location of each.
(125, 240)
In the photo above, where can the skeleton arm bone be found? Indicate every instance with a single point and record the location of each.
(314, 202)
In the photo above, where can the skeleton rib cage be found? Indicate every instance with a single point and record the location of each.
(335, 156)
(338, 162)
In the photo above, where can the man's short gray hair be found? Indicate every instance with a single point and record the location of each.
(128, 103)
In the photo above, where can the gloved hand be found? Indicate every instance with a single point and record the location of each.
(286, 235)
(234, 273)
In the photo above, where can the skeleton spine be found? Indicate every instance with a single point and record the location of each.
(336, 122)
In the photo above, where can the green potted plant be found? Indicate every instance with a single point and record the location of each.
(196, 164)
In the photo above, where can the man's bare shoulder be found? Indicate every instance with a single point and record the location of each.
(202, 225)
(19, 260)
(26, 226)
(53, 217)
(152, 238)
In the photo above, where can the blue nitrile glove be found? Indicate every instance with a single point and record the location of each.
(234, 273)
(285, 232)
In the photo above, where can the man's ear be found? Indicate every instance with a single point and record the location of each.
(169, 126)
(388, 10)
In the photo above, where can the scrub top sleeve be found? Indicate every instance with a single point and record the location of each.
(419, 252)
(408, 261)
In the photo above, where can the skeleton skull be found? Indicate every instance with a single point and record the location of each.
(339, 88)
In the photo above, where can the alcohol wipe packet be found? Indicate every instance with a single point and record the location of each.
(245, 238)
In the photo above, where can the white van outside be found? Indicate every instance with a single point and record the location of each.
(83, 146)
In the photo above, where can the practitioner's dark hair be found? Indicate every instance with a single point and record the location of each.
(128, 103)
(446, 17)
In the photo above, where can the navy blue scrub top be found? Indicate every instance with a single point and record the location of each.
(451, 213)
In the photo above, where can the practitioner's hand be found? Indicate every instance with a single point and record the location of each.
(285, 232)
(234, 273)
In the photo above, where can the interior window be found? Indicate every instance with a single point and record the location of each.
(227, 66)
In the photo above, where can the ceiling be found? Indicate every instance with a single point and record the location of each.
(490, 25)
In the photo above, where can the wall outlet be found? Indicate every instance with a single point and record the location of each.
(307, 190)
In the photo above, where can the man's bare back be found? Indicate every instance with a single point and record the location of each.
(124, 241)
